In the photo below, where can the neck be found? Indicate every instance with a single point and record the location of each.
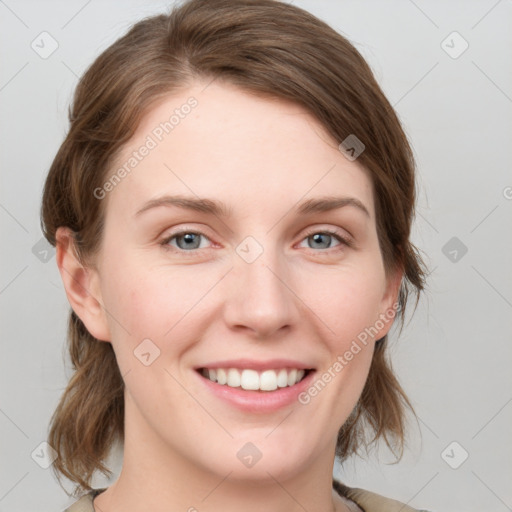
(159, 478)
(149, 486)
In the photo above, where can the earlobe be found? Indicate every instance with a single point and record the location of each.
(393, 289)
(82, 286)
(389, 303)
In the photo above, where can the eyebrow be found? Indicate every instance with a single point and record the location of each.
(219, 209)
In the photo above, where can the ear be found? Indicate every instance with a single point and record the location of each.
(82, 286)
(389, 303)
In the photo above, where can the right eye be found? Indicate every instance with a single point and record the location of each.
(186, 241)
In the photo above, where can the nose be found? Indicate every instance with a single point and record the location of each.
(261, 299)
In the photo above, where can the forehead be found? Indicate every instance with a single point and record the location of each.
(218, 140)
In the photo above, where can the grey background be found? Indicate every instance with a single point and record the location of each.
(453, 358)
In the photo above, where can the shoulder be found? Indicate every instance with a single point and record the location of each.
(84, 504)
(366, 500)
(370, 501)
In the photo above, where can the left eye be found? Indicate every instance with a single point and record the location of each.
(324, 237)
(189, 240)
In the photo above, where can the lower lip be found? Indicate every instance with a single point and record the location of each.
(258, 401)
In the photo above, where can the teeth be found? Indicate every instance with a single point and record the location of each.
(292, 377)
(249, 379)
(282, 378)
(268, 380)
(233, 378)
(222, 378)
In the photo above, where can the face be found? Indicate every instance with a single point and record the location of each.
(262, 292)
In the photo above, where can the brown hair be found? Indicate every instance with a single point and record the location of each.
(269, 48)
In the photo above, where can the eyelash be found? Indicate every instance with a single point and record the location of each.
(344, 241)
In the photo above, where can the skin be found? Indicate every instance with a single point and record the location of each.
(299, 299)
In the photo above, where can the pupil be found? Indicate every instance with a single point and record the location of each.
(318, 237)
(188, 238)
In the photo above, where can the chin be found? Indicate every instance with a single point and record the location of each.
(262, 460)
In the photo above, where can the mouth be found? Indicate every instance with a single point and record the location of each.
(255, 386)
(256, 381)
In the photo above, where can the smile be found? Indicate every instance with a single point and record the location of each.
(252, 380)
(254, 391)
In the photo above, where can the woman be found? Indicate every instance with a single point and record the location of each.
(231, 210)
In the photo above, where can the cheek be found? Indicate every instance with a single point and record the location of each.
(144, 305)
(154, 302)
(348, 309)
(347, 301)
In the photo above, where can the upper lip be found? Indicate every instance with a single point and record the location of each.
(252, 364)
